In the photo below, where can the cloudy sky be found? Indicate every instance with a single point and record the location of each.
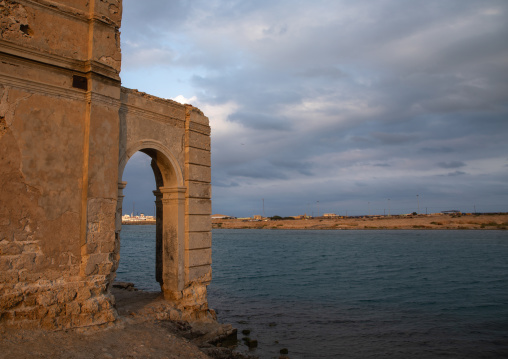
(350, 107)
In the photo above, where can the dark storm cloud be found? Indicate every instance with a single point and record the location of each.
(318, 98)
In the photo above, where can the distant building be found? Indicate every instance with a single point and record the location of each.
(221, 216)
(141, 217)
(330, 215)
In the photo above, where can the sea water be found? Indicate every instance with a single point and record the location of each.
(352, 294)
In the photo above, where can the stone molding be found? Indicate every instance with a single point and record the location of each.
(134, 110)
(151, 144)
(42, 88)
(23, 53)
(102, 99)
(172, 194)
(45, 58)
(199, 128)
(57, 7)
(68, 11)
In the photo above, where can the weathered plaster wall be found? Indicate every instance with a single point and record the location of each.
(67, 129)
(49, 178)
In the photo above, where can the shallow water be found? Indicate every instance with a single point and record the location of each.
(352, 294)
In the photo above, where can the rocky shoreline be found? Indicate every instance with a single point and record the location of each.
(143, 329)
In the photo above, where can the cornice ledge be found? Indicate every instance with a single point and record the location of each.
(101, 69)
(151, 115)
(28, 53)
(42, 88)
(70, 11)
(100, 98)
(24, 52)
(58, 7)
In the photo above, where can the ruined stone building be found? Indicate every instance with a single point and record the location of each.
(67, 130)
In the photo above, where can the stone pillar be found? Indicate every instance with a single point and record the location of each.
(158, 236)
(173, 241)
(119, 203)
(199, 202)
(118, 228)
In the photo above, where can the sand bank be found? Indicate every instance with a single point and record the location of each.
(483, 221)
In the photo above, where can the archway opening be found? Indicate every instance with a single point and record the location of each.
(169, 214)
(138, 236)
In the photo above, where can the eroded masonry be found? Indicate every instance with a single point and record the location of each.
(67, 130)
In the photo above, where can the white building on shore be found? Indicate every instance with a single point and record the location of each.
(141, 217)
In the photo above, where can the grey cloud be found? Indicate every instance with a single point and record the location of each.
(152, 22)
(261, 121)
(439, 150)
(451, 164)
(392, 138)
(276, 30)
(255, 172)
(301, 167)
(456, 173)
(323, 71)
(405, 84)
(225, 184)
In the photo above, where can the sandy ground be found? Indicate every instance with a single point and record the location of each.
(490, 221)
(136, 334)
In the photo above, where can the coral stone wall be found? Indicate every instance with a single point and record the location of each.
(67, 129)
(59, 102)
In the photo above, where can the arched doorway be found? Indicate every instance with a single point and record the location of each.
(169, 214)
(176, 137)
(137, 247)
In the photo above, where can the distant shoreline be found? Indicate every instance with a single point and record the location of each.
(445, 221)
(137, 223)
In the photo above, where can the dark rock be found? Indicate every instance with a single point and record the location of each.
(225, 353)
(124, 285)
(284, 351)
(226, 338)
(251, 343)
(246, 331)
(183, 326)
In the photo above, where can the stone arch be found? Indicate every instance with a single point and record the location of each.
(170, 211)
(170, 171)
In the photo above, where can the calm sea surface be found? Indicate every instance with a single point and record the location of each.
(352, 294)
